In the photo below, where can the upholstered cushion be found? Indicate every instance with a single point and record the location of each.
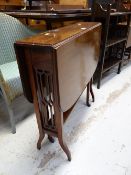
(9, 77)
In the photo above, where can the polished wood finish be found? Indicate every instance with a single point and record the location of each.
(127, 6)
(61, 4)
(51, 16)
(45, 2)
(41, 14)
(57, 15)
(55, 68)
(82, 3)
(55, 7)
(72, 2)
(11, 2)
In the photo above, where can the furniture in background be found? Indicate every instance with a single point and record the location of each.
(128, 46)
(53, 16)
(127, 4)
(114, 37)
(82, 3)
(11, 4)
(40, 4)
(11, 30)
(104, 2)
(48, 5)
(55, 68)
(58, 7)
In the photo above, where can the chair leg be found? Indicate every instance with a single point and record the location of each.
(11, 116)
(9, 109)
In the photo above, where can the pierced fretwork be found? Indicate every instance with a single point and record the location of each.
(45, 98)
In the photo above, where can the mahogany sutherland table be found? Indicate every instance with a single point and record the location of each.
(55, 68)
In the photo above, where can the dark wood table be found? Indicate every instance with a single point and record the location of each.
(120, 13)
(59, 15)
(51, 16)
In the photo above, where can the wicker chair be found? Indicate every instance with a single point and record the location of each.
(11, 30)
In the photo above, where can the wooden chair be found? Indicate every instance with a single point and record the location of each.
(11, 30)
